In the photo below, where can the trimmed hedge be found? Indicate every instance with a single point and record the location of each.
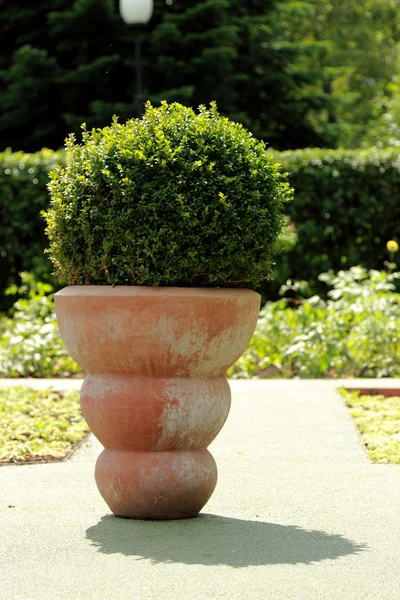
(346, 208)
(177, 198)
(23, 194)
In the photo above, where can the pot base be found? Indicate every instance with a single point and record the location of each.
(176, 518)
(156, 485)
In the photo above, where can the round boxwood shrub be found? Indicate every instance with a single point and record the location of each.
(174, 199)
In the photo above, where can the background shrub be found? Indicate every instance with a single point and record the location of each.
(23, 194)
(176, 198)
(346, 208)
(30, 343)
(354, 333)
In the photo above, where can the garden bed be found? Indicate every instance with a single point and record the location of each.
(38, 426)
(387, 392)
(376, 413)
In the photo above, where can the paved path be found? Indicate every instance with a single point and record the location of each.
(299, 513)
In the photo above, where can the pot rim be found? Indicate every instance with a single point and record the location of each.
(147, 291)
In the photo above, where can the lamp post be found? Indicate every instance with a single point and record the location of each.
(136, 13)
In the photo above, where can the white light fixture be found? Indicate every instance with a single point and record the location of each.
(136, 12)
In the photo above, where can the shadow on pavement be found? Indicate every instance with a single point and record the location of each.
(214, 540)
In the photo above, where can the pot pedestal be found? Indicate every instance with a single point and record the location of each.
(155, 395)
(156, 432)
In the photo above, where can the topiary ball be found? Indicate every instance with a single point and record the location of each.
(173, 199)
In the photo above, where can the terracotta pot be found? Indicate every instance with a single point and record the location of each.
(156, 394)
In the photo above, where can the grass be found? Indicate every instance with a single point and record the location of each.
(37, 425)
(378, 421)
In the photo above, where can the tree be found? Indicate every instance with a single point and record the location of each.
(385, 127)
(233, 50)
(51, 77)
(194, 51)
(361, 47)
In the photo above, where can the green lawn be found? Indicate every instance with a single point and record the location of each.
(38, 425)
(378, 420)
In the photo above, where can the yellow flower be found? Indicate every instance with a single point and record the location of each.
(392, 246)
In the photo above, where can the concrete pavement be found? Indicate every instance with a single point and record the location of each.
(299, 513)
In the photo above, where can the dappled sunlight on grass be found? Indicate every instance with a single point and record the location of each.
(39, 425)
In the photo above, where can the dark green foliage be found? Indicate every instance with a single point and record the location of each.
(232, 52)
(23, 194)
(346, 208)
(64, 61)
(69, 61)
(29, 102)
(177, 198)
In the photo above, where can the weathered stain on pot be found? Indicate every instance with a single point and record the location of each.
(164, 334)
(144, 413)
